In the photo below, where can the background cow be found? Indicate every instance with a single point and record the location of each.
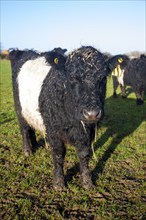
(63, 98)
(128, 72)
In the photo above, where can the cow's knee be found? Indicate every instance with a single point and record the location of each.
(84, 155)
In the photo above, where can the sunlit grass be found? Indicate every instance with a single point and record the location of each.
(118, 171)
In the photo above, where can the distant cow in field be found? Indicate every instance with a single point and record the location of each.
(63, 98)
(129, 72)
(143, 57)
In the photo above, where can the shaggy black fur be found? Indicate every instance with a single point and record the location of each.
(60, 50)
(143, 56)
(71, 103)
(134, 75)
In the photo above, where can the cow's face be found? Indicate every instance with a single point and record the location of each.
(87, 72)
(120, 61)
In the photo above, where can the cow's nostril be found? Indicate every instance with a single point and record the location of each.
(92, 115)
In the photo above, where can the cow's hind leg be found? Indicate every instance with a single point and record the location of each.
(115, 86)
(58, 152)
(28, 137)
(28, 134)
(123, 90)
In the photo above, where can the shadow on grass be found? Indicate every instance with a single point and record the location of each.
(40, 143)
(122, 118)
(71, 173)
(129, 91)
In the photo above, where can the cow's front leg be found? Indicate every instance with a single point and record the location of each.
(115, 86)
(123, 90)
(84, 154)
(29, 139)
(58, 152)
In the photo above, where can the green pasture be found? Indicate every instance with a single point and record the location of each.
(118, 167)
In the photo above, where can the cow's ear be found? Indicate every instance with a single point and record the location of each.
(56, 60)
(59, 61)
(15, 53)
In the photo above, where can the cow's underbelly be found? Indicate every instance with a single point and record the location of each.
(30, 80)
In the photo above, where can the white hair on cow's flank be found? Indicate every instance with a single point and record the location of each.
(30, 80)
(121, 79)
(119, 73)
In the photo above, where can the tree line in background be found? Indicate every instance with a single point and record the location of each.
(4, 54)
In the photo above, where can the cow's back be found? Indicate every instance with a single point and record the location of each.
(135, 72)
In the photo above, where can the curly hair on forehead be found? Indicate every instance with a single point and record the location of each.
(85, 59)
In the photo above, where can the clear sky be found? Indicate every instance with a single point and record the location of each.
(110, 26)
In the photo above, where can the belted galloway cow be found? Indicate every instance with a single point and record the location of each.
(129, 72)
(63, 98)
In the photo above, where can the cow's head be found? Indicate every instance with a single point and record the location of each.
(55, 59)
(87, 70)
(118, 60)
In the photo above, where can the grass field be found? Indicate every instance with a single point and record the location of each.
(118, 168)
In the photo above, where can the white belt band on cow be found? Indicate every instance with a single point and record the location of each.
(118, 72)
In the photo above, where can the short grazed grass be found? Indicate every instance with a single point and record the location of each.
(118, 168)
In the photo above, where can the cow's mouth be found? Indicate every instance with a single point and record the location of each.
(91, 116)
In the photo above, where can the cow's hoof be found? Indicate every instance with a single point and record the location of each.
(115, 95)
(59, 184)
(88, 185)
(139, 102)
(27, 153)
(59, 187)
(87, 182)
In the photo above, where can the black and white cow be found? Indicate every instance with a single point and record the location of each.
(63, 98)
(129, 72)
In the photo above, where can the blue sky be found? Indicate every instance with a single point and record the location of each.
(110, 26)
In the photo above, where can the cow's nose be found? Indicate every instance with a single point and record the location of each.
(92, 115)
